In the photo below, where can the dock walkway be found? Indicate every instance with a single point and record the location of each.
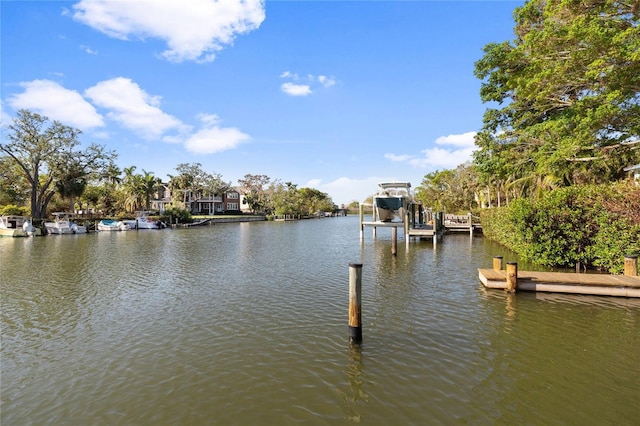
(560, 282)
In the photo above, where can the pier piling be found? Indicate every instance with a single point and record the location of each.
(497, 263)
(394, 241)
(355, 299)
(631, 265)
(512, 277)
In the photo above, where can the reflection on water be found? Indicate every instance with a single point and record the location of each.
(356, 394)
(247, 324)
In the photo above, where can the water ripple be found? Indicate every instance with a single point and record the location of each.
(247, 324)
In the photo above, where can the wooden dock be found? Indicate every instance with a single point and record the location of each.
(559, 282)
(462, 223)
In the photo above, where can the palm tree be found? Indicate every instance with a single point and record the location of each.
(132, 190)
(148, 185)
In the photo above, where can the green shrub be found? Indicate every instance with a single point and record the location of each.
(593, 225)
(183, 215)
(13, 210)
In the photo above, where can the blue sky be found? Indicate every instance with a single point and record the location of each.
(332, 95)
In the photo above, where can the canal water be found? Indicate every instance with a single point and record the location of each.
(238, 324)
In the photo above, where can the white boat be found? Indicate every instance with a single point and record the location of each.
(142, 221)
(62, 224)
(112, 225)
(17, 226)
(391, 200)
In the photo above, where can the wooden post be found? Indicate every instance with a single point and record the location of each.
(355, 299)
(374, 215)
(394, 241)
(497, 263)
(512, 276)
(406, 228)
(436, 227)
(631, 265)
(470, 221)
(361, 212)
(413, 215)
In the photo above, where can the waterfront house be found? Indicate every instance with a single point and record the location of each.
(244, 206)
(161, 199)
(205, 203)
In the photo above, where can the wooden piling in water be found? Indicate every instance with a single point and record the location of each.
(497, 263)
(512, 276)
(361, 213)
(355, 299)
(631, 265)
(394, 241)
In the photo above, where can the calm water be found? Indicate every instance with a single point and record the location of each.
(247, 324)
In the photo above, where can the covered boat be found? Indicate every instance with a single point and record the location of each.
(112, 225)
(17, 226)
(391, 200)
(62, 224)
(143, 221)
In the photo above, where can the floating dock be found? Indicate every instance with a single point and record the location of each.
(627, 285)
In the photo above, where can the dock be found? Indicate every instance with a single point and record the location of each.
(418, 223)
(627, 285)
(462, 223)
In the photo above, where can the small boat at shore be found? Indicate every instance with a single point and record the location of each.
(17, 226)
(391, 200)
(112, 225)
(143, 221)
(62, 224)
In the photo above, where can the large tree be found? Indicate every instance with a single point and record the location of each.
(566, 95)
(14, 188)
(193, 179)
(44, 151)
(256, 194)
(454, 190)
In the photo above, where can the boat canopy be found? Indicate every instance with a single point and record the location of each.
(389, 185)
(390, 203)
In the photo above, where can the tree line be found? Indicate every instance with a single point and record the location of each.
(42, 166)
(560, 137)
(563, 106)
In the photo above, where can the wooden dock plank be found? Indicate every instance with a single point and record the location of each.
(421, 232)
(604, 284)
(566, 278)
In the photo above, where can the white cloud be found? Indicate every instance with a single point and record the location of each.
(89, 50)
(398, 158)
(213, 138)
(193, 30)
(289, 74)
(133, 108)
(128, 105)
(5, 119)
(50, 99)
(326, 81)
(465, 140)
(296, 89)
(437, 157)
(442, 158)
